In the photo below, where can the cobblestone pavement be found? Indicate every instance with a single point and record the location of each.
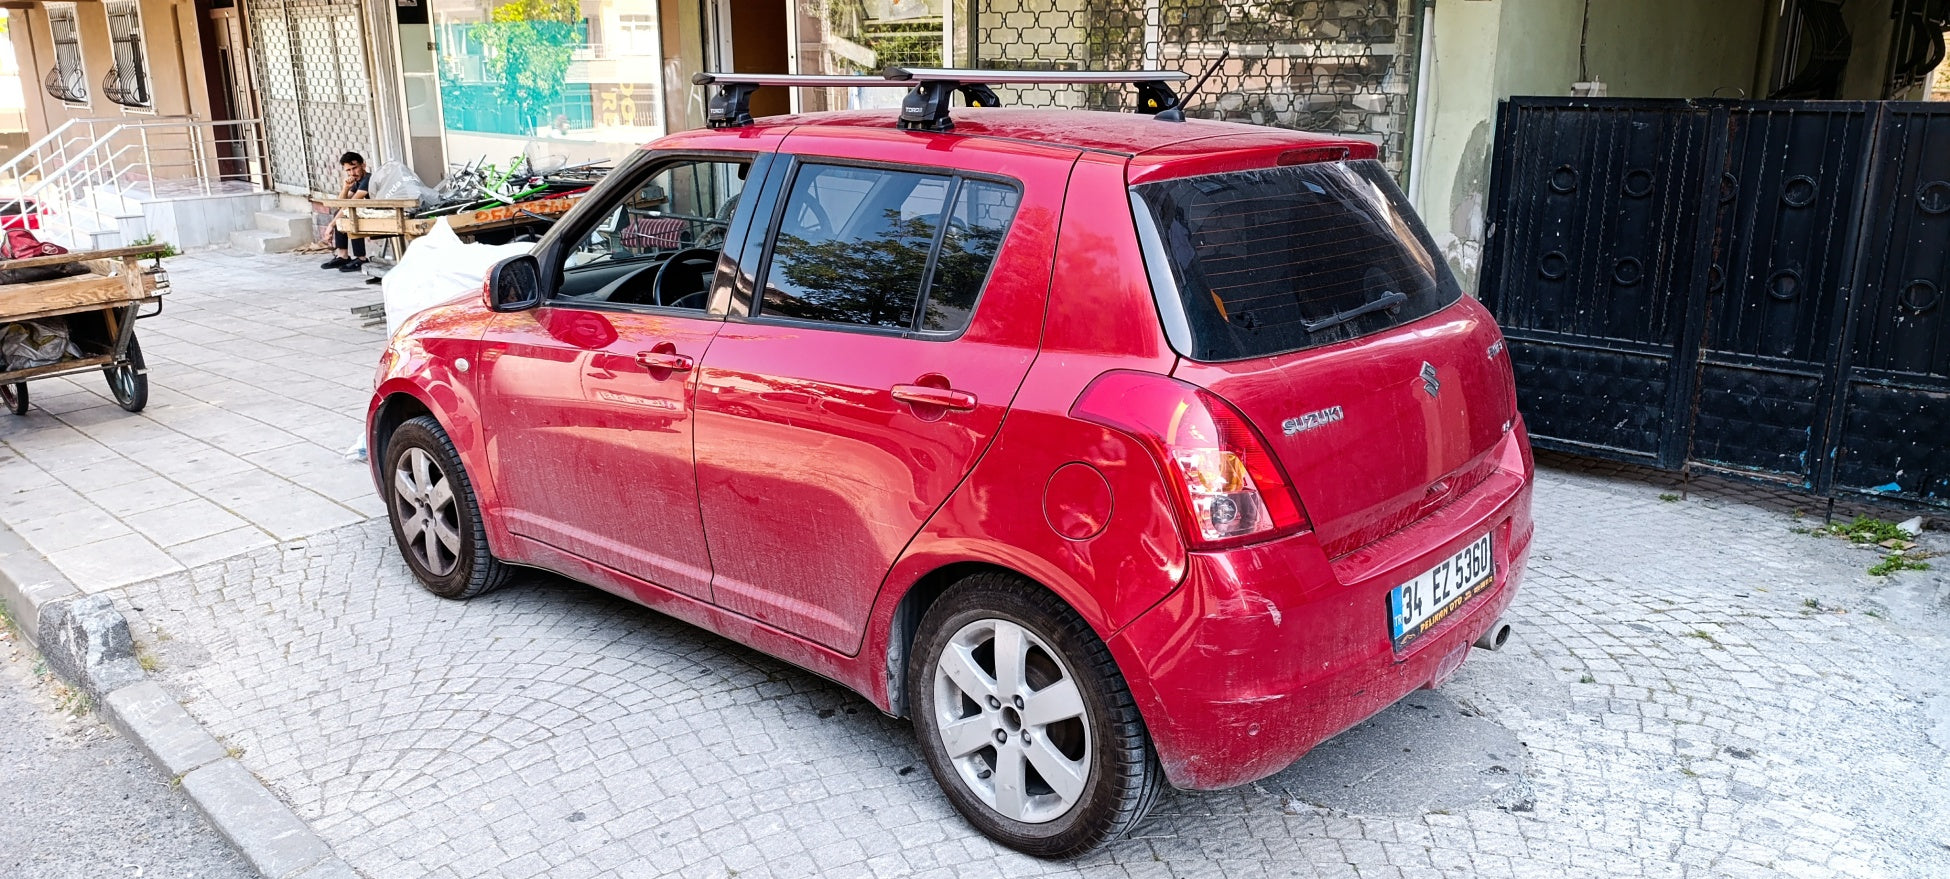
(1696, 688)
(258, 380)
(81, 803)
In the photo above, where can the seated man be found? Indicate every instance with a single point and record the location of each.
(348, 254)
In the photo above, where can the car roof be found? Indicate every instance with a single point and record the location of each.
(1128, 134)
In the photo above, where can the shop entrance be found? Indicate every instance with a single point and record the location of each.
(752, 38)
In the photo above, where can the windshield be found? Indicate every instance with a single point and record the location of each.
(1281, 259)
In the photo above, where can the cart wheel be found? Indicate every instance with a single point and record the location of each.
(15, 398)
(127, 380)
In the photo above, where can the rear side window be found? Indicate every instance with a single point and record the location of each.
(1272, 261)
(861, 246)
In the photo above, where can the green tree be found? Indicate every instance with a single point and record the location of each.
(528, 47)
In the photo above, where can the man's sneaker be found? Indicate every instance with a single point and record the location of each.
(351, 265)
(337, 262)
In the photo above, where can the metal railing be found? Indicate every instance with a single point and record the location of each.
(82, 179)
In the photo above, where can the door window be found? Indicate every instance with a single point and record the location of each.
(858, 246)
(682, 214)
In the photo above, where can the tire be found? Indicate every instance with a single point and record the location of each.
(428, 491)
(1114, 777)
(14, 397)
(129, 380)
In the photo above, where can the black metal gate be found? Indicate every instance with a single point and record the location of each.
(1753, 288)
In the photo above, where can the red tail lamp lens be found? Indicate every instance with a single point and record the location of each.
(1229, 489)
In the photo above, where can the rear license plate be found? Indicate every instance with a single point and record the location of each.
(1423, 603)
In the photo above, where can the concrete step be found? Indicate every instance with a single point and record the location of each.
(264, 241)
(289, 223)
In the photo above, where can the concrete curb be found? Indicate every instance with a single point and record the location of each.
(87, 642)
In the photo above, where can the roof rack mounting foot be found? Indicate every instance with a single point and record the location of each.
(731, 106)
(1155, 98)
(978, 95)
(926, 107)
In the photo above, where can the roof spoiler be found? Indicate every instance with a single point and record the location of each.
(926, 106)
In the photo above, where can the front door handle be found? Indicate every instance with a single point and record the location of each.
(665, 356)
(945, 398)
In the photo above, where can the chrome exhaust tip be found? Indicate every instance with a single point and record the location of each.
(1493, 639)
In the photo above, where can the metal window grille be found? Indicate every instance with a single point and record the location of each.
(1339, 66)
(314, 84)
(127, 83)
(68, 81)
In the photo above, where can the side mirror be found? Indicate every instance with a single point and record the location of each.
(515, 284)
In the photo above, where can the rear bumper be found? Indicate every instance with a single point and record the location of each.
(1266, 651)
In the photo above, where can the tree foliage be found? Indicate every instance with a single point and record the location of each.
(529, 43)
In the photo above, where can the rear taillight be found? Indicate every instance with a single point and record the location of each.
(1228, 487)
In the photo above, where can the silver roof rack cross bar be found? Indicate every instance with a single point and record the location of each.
(926, 107)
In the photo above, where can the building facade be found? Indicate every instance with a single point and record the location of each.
(439, 83)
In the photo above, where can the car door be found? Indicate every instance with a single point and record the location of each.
(589, 397)
(867, 362)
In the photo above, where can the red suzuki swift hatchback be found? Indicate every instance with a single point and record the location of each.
(1115, 450)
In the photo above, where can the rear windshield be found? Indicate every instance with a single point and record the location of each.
(1277, 260)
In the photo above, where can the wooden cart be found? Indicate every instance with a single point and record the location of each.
(100, 309)
(387, 217)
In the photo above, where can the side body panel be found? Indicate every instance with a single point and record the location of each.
(1100, 318)
(812, 477)
(590, 449)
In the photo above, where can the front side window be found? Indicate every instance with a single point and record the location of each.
(861, 246)
(681, 212)
(128, 81)
(68, 81)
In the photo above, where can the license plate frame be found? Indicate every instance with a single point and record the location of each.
(1418, 606)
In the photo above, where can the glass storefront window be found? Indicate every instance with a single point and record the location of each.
(559, 80)
(849, 37)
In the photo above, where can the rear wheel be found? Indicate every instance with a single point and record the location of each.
(435, 519)
(14, 397)
(1025, 721)
(129, 380)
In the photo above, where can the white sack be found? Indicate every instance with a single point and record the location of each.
(439, 268)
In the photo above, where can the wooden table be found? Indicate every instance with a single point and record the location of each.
(387, 217)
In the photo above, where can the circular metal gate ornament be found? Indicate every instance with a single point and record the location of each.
(1638, 183)
(1564, 180)
(1628, 272)
(1799, 191)
(1554, 266)
(1933, 197)
(1784, 285)
(1921, 296)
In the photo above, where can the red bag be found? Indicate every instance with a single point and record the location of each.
(21, 244)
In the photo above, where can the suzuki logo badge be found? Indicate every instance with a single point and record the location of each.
(1429, 382)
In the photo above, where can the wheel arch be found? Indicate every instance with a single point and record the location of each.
(389, 412)
(400, 400)
(904, 621)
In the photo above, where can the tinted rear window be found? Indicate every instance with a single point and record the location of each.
(1277, 260)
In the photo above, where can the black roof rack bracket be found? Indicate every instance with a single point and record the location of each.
(731, 105)
(926, 107)
(978, 95)
(1156, 98)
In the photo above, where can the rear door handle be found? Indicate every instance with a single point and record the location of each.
(945, 398)
(665, 356)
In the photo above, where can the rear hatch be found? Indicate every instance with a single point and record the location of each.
(1311, 298)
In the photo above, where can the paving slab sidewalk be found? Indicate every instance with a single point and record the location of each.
(258, 379)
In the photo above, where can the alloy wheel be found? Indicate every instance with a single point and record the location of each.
(1012, 721)
(423, 500)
